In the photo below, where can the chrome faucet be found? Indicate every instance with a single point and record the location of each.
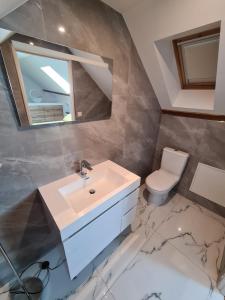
(84, 165)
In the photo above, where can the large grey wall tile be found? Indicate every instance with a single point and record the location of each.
(182, 133)
(212, 149)
(34, 157)
(28, 18)
(203, 140)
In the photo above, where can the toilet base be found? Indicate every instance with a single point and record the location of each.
(158, 199)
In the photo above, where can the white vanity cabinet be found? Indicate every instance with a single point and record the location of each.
(129, 205)
(91, 211)
(83, 246)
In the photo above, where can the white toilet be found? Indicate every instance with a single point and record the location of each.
(161, 182)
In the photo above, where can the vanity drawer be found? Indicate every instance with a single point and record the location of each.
(128, 218)
(130, 201)
(86, 244)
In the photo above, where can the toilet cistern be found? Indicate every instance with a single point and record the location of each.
(160, 182)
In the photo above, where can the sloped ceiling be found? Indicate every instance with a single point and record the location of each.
(153, 25)
(6, 6)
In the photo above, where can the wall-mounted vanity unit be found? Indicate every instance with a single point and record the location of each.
(53, 84)
(90, 212)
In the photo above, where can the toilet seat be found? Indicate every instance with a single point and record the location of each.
(161, 181)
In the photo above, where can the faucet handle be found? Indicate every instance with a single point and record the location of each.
(86, 164)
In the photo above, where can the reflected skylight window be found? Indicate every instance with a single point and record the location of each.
(57, 78)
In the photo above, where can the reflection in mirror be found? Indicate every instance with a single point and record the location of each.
(47, 88)
(92, 87)
(56, 84)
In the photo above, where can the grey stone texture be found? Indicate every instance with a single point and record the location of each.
(31, 158)
(203, 139)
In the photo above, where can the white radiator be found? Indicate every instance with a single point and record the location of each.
(209, 182)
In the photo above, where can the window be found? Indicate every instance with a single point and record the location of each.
(196, 57)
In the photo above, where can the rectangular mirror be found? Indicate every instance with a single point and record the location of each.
(55, 84)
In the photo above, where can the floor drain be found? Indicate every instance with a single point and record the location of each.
(91, 191)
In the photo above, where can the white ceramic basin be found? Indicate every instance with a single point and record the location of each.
(74, 201)
(84, 193)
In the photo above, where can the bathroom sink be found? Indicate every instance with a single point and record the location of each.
(74, 201)
(84, 193)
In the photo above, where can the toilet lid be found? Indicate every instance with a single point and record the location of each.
(161, 180)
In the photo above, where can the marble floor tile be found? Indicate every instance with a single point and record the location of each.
(149, 216)
(114, 265)
(92, 290)
(107, 268)
(172, 253)
(160, 271)
(149, 265)
(196, 232)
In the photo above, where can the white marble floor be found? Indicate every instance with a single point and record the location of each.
(173, 253)
(180, 258)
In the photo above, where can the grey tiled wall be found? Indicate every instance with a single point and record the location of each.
(204, 140)
(35, 157)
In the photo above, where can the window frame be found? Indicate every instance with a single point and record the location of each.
(180, 63)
